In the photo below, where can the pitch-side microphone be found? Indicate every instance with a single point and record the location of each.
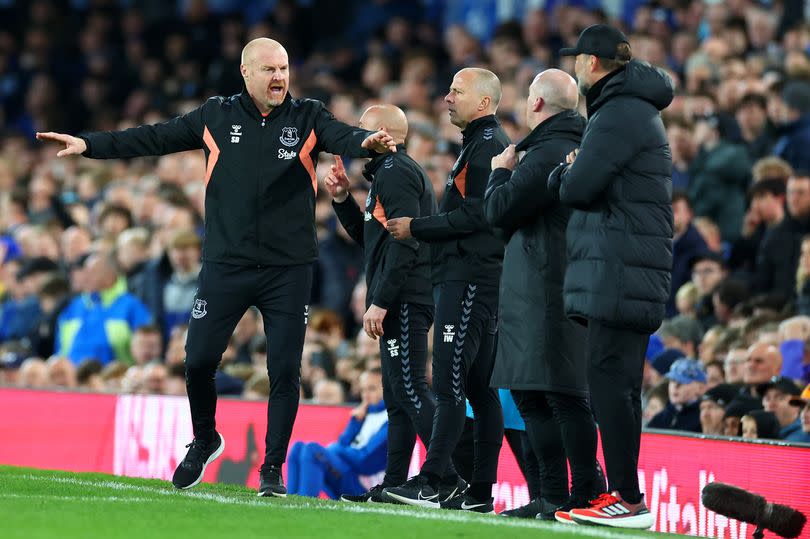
(739, 504)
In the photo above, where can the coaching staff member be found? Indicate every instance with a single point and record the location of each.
(619, 249)
(467, 259)
(261, 148)
(541, 356)
(400, 296)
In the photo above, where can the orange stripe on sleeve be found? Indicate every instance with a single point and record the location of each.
(213, 154)
(379, 212)
(306, 158)
(461, 181)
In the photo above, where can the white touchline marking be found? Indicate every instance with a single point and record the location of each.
(435, 514)
(78, 498)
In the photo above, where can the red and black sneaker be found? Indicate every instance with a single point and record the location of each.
(611, 510)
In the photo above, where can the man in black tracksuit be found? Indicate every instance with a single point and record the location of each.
(261, 147)
(399, 297)
(541, 354)
(467, 257)
(619, 245)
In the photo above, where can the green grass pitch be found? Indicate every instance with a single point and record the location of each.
(49, 504)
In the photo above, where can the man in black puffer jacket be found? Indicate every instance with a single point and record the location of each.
(619, 250)
(541, 354)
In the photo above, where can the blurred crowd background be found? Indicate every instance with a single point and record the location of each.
(100, 258)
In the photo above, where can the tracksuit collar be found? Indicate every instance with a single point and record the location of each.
(477, 125)
(372, 166)
(252, 110)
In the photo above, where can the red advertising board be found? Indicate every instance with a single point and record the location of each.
(145, 436)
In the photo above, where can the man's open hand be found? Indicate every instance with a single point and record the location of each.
(73, 145)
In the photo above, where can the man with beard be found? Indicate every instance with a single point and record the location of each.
(619, 244)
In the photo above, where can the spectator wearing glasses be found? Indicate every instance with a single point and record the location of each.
(708, 271)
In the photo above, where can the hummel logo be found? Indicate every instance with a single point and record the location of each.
(615, 510)
(448, 333)
(466, 507)
(367, 216)
(393, 349)
(488, 133)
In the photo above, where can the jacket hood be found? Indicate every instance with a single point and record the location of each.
(639, 79)
(566, 123)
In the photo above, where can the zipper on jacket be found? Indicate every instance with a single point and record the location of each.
(258, 191)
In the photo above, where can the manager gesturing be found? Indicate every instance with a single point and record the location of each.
(261, 147)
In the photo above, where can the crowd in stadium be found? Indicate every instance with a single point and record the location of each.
(80, 235)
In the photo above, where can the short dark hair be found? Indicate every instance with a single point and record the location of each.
(55, 286)
(752, 98)
(732, 292)
(150, 329)
(774, 186)
(681, 196)
(115, 209)
(623, 56)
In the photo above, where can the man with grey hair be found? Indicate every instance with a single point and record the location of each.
(467, 259)
(261, 148)
(541, 357)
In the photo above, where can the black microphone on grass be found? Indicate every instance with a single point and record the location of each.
(738, 504)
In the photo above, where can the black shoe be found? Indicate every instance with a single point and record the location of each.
(453, 489)
(535, 507)
(560, 514)
(271, 483)
(373, 495)
(200, 454)
(463, 502)
(415, 491)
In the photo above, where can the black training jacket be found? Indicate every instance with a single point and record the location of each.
(463, 245)
(260, 175)
(397, 271)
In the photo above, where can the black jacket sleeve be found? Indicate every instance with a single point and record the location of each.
(351, 217)
(176, 135)
(399, 194)
(469, 217)
(338, 138)
(606, 148)
(512, 198)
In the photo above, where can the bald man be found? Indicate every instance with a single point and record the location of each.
(467, 258)
(261, 148)
(399, 300)
(540, 356)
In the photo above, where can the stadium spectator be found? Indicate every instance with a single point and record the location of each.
(687, 243)
(146, 345)
(767, 210)
(88, 376)
(756, 133)
(715, 375)
(802, 281)
(736, 409)
(719, 174)
(33, 374)
(686, 300)
(760, 424)
(780, 250)
(763, 363)
(154, 378)
(99, 323)
(176, 381)
(61, 373)
(358, 455)
(712, 408)
(776, 397)
(681, 333)
(327, 392)
(803, 403)
(708, 271)
(687, 383)
(656, 400)
(794, 123)
(54, 295)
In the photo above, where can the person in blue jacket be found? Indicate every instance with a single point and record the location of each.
(359, 452)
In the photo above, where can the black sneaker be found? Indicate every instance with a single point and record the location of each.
(562, 513)
(535, 507)
(373, 495)
(415, 491)
(463, 502)
(200, 454)
(271, 483)
(451, 490)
